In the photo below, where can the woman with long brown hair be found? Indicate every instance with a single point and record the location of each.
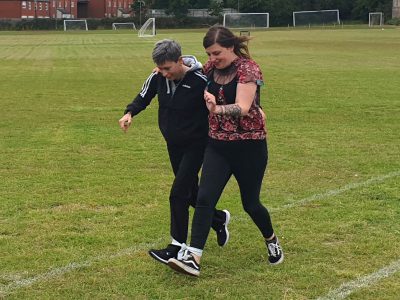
(237, 144)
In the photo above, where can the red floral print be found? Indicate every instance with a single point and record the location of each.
(250, 127)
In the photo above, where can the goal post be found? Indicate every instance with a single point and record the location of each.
(328, 17)
(148, 29)
(128, 25)
(246, 20)
(375, 19)
(75, 25)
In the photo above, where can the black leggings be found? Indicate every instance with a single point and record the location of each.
(247, 161)
(186, 161)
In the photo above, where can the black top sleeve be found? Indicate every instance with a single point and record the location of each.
(143, 99)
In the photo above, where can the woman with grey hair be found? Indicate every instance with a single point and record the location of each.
(182, 119)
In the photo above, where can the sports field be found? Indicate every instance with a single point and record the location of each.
(81, 202)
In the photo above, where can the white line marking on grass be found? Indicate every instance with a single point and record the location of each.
(341, 190)
(327, 194)
(347, 288)
(56, 272)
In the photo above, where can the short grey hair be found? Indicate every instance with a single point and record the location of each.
(166, 50)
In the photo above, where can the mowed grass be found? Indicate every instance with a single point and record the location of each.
(81, 202)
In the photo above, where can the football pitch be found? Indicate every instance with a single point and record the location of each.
(81, 202)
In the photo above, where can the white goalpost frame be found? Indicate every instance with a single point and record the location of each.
(131, 25)
(316, 11)
(72, 21)
(150, 22)
(371, 17)
(264, 25)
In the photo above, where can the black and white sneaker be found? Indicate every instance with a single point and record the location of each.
(222, 232)
(275, 253)
(186, 264)
(163, 255)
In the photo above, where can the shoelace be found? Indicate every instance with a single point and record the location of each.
(183, 252)
(274, 248)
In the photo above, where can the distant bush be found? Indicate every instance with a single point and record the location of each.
(93, 24)
(394, 21)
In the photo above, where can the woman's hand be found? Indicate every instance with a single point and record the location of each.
(211, 103)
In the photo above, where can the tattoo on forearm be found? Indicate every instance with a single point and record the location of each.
(233, 110)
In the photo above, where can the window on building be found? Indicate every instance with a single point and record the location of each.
(40, 6)
(46, 6)
(109, 3)
(72, 4)
(23, 4)
(29, 5)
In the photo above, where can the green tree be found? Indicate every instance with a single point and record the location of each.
(178, 8)
(233, 3)
(216, 8)
(362, 8)
(140, 9)
(252, 6)
(199, 3)
(160, 4)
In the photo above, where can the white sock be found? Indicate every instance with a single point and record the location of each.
(196, 251)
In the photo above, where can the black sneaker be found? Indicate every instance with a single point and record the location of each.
(163, 255)
(275, 253)
(186, 265)
(222, 232)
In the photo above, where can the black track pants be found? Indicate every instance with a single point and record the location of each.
(186, 162)
(246, 161)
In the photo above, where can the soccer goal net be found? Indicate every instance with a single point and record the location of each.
(148, 29)
(129, 26)
(246, 20)
(75, 25)
(375, 19)
(316, 18)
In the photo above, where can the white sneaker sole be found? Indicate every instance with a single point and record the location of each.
(228, 218)
(182, 268)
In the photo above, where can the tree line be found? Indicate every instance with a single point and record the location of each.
(280, 10)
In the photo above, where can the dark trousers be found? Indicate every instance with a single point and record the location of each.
(186, 162)
(247, 161)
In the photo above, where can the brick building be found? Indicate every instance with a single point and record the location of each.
(68, 9)
(396, 9)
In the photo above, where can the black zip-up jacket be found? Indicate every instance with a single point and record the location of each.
(182, 113)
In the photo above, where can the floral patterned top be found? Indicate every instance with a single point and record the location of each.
(229, 128)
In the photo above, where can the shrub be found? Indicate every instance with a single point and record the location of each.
(394, 21)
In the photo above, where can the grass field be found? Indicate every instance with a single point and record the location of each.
(81, 202)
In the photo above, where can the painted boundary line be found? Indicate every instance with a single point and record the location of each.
(327, 194)
(347, 288)
(56, 272)
(338, 191)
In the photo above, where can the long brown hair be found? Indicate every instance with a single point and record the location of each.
(225, 38)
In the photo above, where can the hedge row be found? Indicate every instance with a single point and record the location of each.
(93, 24)
(57, 24)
